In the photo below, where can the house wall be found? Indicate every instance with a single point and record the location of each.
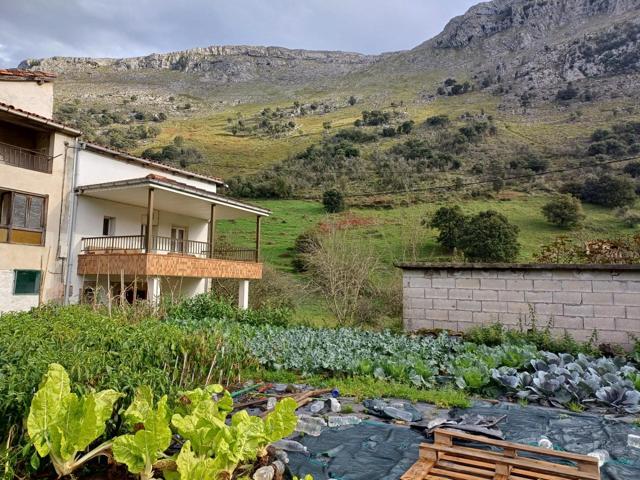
(50, 257)
(30, 96)
(90, 213)
(578, 299)
(94, 168)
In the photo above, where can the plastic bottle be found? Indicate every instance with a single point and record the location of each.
(544, 442)
(399, 414)
(271, 403)
(310, 425)
(339, 421)
(633, 440)
(282, 456)
(316, 406)
(264, 473)
(335, 405)
(278, 467)
(602, 456)
(289, 446)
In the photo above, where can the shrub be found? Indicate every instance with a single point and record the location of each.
(389, 132)
(489, 237)
(537, 164)
(352, 100)
(568, 93)
(450, 221)
(354, 135)
(306, 242)
(333, 201)
(564, 211)
(609, 191)
(406, 127)
(633, 169)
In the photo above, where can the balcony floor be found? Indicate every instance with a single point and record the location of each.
(169, 265)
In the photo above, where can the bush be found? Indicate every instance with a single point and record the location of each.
(389, 132)
(333, 201)
(537, 164)
(633, 169)
(609, 191)
(564, 211)
(568, 93)
(406, 127)
(306, 242)
(489, 237)
(450, 221)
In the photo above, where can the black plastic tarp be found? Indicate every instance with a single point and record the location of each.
(376, 451)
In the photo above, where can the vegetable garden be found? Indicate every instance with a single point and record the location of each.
(76, 383)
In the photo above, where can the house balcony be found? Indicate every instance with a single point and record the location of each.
(25, 158)
(128, 255)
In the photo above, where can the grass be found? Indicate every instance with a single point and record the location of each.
(366, 387)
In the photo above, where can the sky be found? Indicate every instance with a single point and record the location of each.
(123, 28)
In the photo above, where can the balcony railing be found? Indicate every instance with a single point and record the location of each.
(24, 158)
(136, 243)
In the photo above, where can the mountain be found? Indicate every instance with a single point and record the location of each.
(548, 72)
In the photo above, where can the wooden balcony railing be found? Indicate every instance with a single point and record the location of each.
(136, 243)
(24, 158)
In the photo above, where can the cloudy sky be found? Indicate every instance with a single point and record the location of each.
(120, 28)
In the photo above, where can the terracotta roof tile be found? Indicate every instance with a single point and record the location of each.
(40, 119)
(19, 74)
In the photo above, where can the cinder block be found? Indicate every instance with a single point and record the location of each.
(436, 273)
(538, 274)
(607, 336)
(485, 317)
(568, 322)
(413, 273)
(422, 324)
(445, 325)
(535, 297)
(578, 310)
(599, 298)
(443, 282)
(465, 326)
(510, 296)
(633, 312)
(414, 313)
(468, 305)
(609, 286)
(436, 293)
(520, 285)
(600, 323)
(518, 307)
(444, 304)
(460, 315)
(633, 286)
(493, 283)
(460, 273)
(547, 285)
(509, 318)
(420, 282)
(460, 294)
(511, 274)
(495, 306)
(467, 283)
(628, 324)
(566, 275)
(485, 295)
(609, 311)
(571, 298)
(420, 303)
(413, 292)
(431, 314)
(626, 299)
(576, 285)
(548, 308)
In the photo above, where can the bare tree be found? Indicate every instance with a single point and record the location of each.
(342, 268)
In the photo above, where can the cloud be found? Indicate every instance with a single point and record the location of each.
(120, 28)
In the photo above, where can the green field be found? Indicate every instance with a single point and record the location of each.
(396, 234)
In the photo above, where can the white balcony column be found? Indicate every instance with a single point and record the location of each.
(153, 291)
(243, 295)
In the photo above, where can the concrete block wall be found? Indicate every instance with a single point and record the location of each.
(575, 298)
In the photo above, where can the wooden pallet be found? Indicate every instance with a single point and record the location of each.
(443, 460)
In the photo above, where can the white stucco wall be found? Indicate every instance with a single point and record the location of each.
(89, 217)
(28, 95)
(94, 167)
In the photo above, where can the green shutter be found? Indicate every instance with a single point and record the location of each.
(27, 282)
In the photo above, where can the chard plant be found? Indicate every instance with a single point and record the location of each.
(139, 451)
(62, 425)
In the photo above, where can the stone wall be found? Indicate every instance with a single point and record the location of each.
(575, 298)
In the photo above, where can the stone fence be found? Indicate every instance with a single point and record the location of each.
(574, 298)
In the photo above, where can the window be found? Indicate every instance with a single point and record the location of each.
(27, 282)
(108, 226)
(22, 218)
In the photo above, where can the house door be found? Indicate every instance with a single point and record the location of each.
(178, 239)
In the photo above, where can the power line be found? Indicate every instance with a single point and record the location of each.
(476, 182)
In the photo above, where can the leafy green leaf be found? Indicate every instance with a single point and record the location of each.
(282, 421)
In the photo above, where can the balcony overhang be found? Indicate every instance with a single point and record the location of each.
(172, 196)
(166, 265)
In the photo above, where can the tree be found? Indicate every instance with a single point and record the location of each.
(564, 211)
(450, 221)
(633, 169)
(352, 100)
(489, 237)
(609, 191)
(333, 201)
(406, 127)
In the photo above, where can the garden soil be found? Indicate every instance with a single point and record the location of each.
(376, 450)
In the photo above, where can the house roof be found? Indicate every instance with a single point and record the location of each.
(27, 75)
(126, 157)
(169, 184)
(31, 117)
